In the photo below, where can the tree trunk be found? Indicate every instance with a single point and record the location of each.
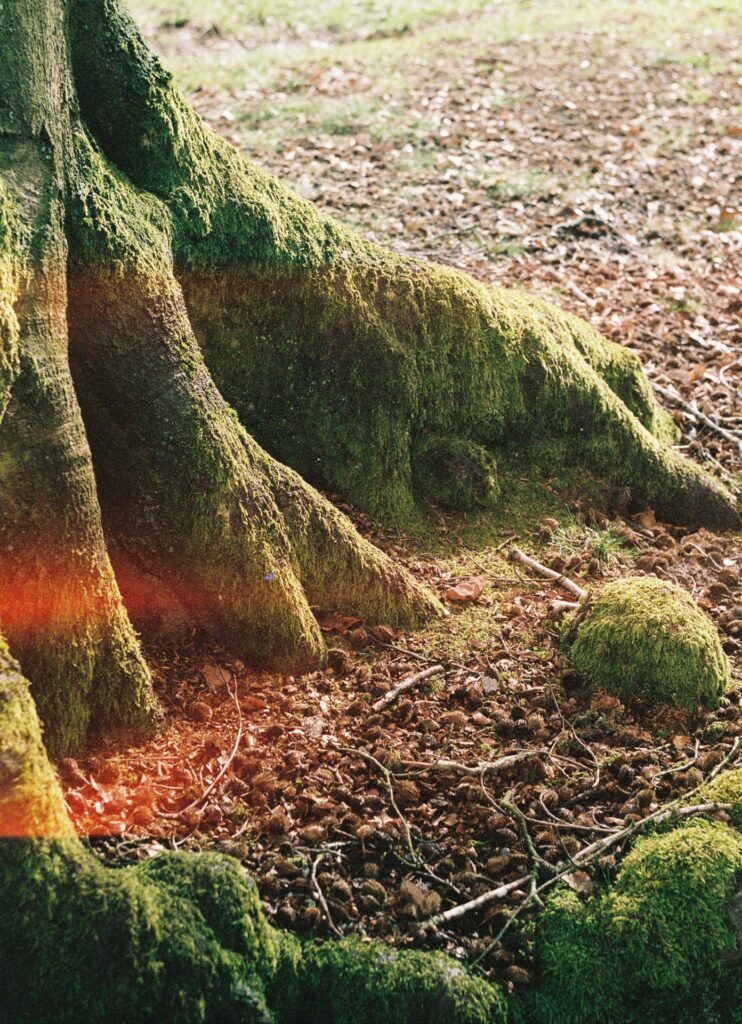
(374, 375)
(173, 277)
(201, 521)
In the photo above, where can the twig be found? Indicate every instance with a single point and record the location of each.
(317, 890)
(421, 657)
(580, 859)
(679, 767)
(695, 413)
(578, 739)
(387, 777)
(558, 607)
(406, 684)
(550, 574)
(594, 850)
(486, 768)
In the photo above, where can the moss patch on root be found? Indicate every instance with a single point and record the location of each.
(356, 982)
(337, 354)
(31, 801)
(182, 938)
(643, 637)
(660, 944)
(455, 473)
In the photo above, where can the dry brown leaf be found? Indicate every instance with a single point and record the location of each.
(468, 590)
(647, 519)
(580, 882)
(214, 675)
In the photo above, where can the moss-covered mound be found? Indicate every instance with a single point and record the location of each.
(178, 939)
(181, 939)
(643, 637)
(356, 982)
(660, 944)
(455, 473)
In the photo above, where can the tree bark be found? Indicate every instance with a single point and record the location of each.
(59, 604)
(377, 376)
(173, 277)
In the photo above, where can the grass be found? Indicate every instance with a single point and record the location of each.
(236, 46)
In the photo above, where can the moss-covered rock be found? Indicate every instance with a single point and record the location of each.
(356, 982)
(643, 637)
(660, 944)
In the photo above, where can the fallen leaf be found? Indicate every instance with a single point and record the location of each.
(647, 519)
(580, 882)
(468, 590)
(214, 675)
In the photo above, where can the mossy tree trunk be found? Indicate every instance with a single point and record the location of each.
(149, 272)
(202, 523)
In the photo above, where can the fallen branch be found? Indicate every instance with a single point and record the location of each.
(549, 574)
(486, 768)
(590, 853)
(559, 607)
(420, 657)
(317, 890)
(581, 859)
(700, 417)
(406, 684)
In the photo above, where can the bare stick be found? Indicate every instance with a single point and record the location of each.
(406, 684)
(559, 607)
(695, 413)
(421, 657)
(590, 853)
(317, 890)
(580, 859)
(549, 574)
(679, 767)
(486, 768)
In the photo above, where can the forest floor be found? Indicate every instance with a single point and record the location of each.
(591, 153)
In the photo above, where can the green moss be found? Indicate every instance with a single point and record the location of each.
(455, 473)
(726, 788)
(354, 982)
(338, 355)
(31, 801)
(659, 944)
(181, 938)
(231, 536)
(643, 637)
